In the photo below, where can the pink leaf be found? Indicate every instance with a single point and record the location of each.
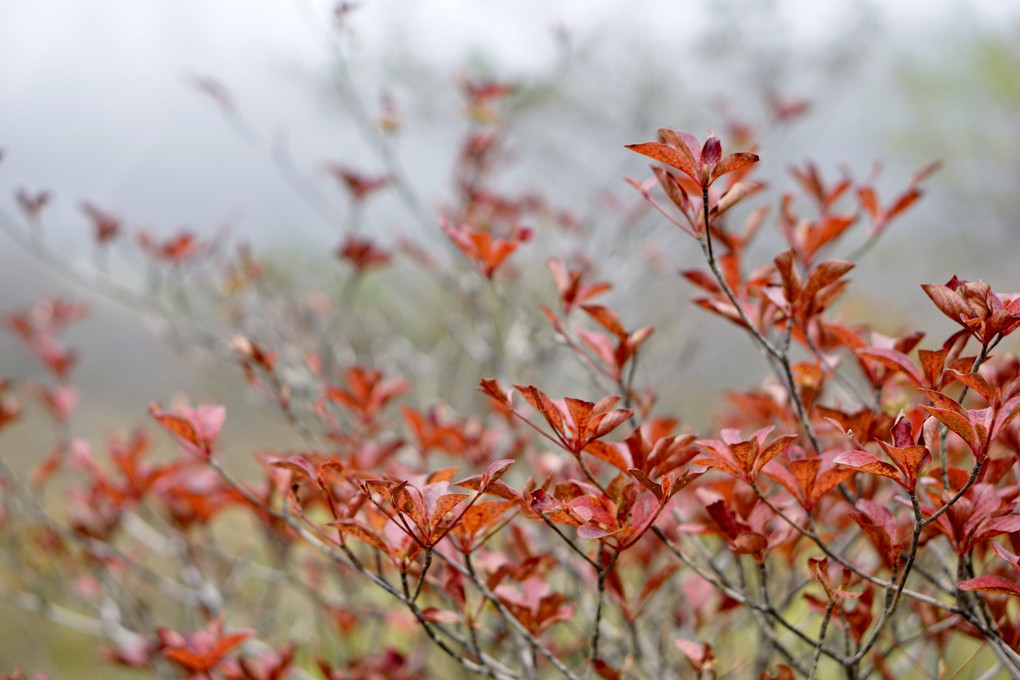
(991, 584)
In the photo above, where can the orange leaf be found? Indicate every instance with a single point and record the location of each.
(823, 275)
(606, 671)
(176, 425)
(777, 446)
(827, 481)
(607, 319)
(865, 462)
(362, 533)
(734, 161)
(894, 359)
(805, 472)
(668, 155)
(609, 453)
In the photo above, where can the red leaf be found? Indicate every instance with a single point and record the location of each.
(749, 543)
(995, 526)
(445, 503)
(673, 187)
(948, 301)
(785, 265)
(105, 225)
(880, 537)
(643, 479)
(1003, 416)
(991, 584)
(301, 465)
(700, 655)
(827, 481)
(823, 275)
(868, 200)
(782, 673)
(777, 446)
(959, 424)
(668, 155)
(745, 454)
(362, 533)
(734, 195)
(544, 405)
(434, 615)
(734, 161)
(203, 650)
(591, 532)
(601, 344)
(495, 391)
(644, 511)
(685, 142)
(656, 580)
(910, 459)
(902, 203)
(894, 359)
(711, 152)
(610, 453)
(607, 319)
(499, 488)
(974, 381)
(702, 279)
(497, 468)
(176, 425)
(480, 516)
(606, 671)
(865, 462)
(580, 412)
(804, 473)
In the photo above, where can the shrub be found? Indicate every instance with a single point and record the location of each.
(852, 515)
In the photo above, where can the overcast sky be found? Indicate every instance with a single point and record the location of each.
(94, 102)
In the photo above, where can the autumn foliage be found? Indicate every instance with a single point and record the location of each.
(853, 515)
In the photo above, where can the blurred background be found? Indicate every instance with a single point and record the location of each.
(220, 116)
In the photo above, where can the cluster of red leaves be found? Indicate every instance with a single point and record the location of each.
(203, 650)
(482, 97)
(206, 653)
(790, 301)
(177, 249)
(10, 409)
(700, 166)
(485, 224)
(571, 288)
(194, 429)
(389, 664)
(106, 226)
(32, 204)
(20, 675)
(358, 186)
(703, 164)
(987, 315)
(425, 512)
(363, 254)
(487, 252)
(909, 466)
(366, 393)
(39, 327)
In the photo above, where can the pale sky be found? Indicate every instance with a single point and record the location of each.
(94, 102)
